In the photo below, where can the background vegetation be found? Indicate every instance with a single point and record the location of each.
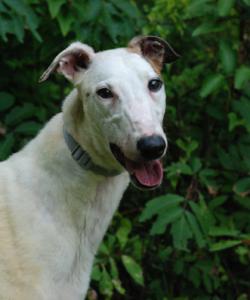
(190, 239)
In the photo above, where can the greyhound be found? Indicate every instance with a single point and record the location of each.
(59, 193)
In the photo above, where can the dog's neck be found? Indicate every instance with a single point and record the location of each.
(83, 159)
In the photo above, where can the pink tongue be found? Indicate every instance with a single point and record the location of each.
(148, 173)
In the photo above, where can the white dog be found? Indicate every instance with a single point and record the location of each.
(59, 193)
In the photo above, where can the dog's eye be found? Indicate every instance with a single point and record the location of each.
(105, 93)
(154, 85)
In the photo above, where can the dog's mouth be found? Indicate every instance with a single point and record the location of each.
(144, 174)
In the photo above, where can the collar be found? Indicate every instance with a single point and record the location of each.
(82, 157)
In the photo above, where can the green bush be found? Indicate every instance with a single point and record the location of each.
(191, 240)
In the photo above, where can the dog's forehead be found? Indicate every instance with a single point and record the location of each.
(119, 62)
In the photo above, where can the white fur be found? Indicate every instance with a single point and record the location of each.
(53, 214)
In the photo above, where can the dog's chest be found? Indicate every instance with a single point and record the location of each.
(76, 231)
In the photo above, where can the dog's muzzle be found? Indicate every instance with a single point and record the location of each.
(146, 173)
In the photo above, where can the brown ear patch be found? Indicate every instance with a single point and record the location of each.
(154, 60)
(154, 49)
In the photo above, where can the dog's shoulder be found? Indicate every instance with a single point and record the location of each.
(16, 268)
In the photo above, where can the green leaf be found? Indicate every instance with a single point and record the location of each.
(105, 283)
(123, 232)
(96, 273)
(243, 201)
(183, 168)
(6, 101)
(224, 245)
(156, 205)
(93, 9)
(127, 7)
(5, 26)
(18, 6)
(133, 268)
(187, 145)
(204, 265)
(234, 121)
(113, 268)
(195, 164)
(166, 217)
(179, 168)
(198, 8)
(110, 241)
(21, 8)
(203, 215)
(207, 282)
(181, 232)
(178, 266)
(227, 56)
(20, 113)
(224, 7)
(211, 85)
(103, 249)
(137, 244)
(54, 7)
(65, 22)
(247, 2)
(229, 159)
(205, 28)
(37, 35)
(195, 229)
(115, 276)
(242, 106)
(118, 286)
(241, 77)
(6, 146)
(208, 178)
(242, 187)
(32, 21)
(217, 201)
(28, 128)
(18, 28)
(110, 24)
(208, 173)
(223, 231)
(195, 276)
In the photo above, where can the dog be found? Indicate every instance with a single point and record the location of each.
(59, 193)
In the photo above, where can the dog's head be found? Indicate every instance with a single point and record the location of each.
(118, 112)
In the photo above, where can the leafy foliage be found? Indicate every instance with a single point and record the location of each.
(191, 240)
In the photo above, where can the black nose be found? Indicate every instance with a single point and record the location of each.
(151, 147)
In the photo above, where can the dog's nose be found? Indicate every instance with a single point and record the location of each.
(151, 147)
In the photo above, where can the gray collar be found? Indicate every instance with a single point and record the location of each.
(82, 157)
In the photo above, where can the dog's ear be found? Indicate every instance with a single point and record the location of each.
(157, 51)
(71, 62)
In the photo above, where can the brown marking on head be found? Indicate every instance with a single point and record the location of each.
(154, 49)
